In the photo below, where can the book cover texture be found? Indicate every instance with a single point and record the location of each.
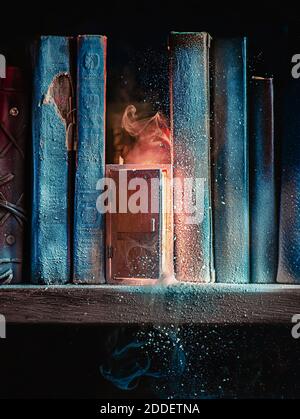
(89, 235)
(52, 140)
(230, 160)
(190, 124)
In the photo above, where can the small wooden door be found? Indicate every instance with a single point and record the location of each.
(134, 239)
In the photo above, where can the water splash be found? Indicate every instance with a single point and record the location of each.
(127, 366)
(157, 354)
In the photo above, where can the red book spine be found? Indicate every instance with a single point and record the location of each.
(13, 129)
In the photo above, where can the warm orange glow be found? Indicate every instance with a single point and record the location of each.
(151, 139)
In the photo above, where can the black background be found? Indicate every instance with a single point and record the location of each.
(229, 362)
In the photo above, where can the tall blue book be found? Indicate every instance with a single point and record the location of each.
(190, 123)
(230, 160)
(289, 213)
(52, 127)
(89, 238)
(263, 206)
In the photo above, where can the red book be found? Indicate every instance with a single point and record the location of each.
(13, 124)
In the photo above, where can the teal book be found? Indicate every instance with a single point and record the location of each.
(263, 199)
(89, 236)
(230, 160)
(190, 125)
(52, 127)
(289, 212)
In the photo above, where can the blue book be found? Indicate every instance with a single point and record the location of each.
(190, 114)
(89, 238)
(263, 208)
(52, 126)
(289, 218)
(230, 161)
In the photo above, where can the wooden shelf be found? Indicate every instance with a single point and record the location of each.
(176, 304)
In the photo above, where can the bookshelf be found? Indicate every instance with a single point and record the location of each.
(175, 304)
(201, 304)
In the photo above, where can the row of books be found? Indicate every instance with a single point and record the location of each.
(222, 127)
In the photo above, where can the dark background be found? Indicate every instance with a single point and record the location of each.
(56, 361)
(230, 361)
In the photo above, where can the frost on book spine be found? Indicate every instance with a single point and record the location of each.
(190, 111)
(263, 208)
(89, 236)
(230, 160)
(289, 212)
(52, 127)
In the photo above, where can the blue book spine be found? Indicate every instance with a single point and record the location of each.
(289, 213)
(230, 161)
(263, 208)
(190, 124)
(51, 134)
(89, 237)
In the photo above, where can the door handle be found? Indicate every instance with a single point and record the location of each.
(153, 225)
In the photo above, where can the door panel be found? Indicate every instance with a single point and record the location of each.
(135, 239)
